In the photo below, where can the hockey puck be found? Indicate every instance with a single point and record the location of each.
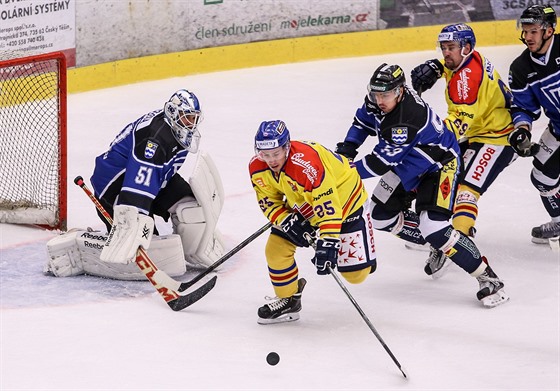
(272, 358)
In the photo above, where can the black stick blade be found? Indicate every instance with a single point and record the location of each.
(184, 301)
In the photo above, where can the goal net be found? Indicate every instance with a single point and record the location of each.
(33, 136)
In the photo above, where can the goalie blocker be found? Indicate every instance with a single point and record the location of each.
(195, 240)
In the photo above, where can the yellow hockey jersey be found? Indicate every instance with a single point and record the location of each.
(315, 181)
(478, 102)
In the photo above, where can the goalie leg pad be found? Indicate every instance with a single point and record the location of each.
(64, 257)
(202, 243)
(195, 219)
(79, 252)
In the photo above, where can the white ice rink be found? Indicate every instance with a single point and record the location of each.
(86, 333)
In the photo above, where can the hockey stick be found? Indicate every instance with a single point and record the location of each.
(365, 318)
(166, 286)
(232, 252)
(312, 242)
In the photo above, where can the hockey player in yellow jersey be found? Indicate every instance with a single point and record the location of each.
(312, 196)
(478, 103)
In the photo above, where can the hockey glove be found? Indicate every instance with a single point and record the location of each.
(130, 230)
(348, 149)
(298, 229)
(520, 140)
(424, 76)
(326, 254)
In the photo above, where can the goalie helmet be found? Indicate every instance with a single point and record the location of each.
(183, 114)
(543, 15)
(386, 78)
(459, 32)
(271, 135)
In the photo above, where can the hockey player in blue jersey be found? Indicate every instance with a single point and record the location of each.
(138, 178)
(417, 157)
(534, 77)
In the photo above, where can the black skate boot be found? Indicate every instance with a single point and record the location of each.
(491, 291)
(543, 233)
(437, 263)
(284, 309)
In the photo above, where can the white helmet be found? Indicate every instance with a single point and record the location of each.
(182, 114)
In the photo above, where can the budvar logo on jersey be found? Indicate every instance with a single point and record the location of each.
(399, 135)
(309, 170)
(463, 84)
(150, 150)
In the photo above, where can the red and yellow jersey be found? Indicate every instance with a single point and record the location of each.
(478, 102)
(315, 181)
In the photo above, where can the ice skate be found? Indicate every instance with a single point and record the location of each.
(491, 291)
(437, 264)
(547, 233)
(283, 309)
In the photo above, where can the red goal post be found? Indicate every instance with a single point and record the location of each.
(33, 122)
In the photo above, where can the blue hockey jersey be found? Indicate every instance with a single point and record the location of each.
(534, 84)
(139, 163)
(412, 140)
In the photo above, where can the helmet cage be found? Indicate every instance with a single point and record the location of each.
(183, 115)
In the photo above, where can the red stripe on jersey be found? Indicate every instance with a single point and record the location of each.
(277, 214)
(352, 200)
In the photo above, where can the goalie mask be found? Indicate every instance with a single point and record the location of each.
(182, 114)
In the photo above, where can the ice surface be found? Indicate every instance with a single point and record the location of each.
(97, 334)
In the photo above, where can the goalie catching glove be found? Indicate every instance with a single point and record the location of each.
(520, 140)
(298, 229)
(326, 254)
(130, 230)
(424, 76)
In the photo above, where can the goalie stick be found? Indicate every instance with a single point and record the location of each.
(166, 286)
(233, 251)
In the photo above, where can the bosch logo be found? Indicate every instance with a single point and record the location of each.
(483, 163)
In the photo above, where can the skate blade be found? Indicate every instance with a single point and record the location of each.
(443, 271)
(540, 240)
(554, 244)
(417, 247)
(495, 299)
(281, 319)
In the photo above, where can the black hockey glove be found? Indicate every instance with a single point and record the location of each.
(348, 149)
(297, 228)
(520, 140)
(326, 254)
(424, 76)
